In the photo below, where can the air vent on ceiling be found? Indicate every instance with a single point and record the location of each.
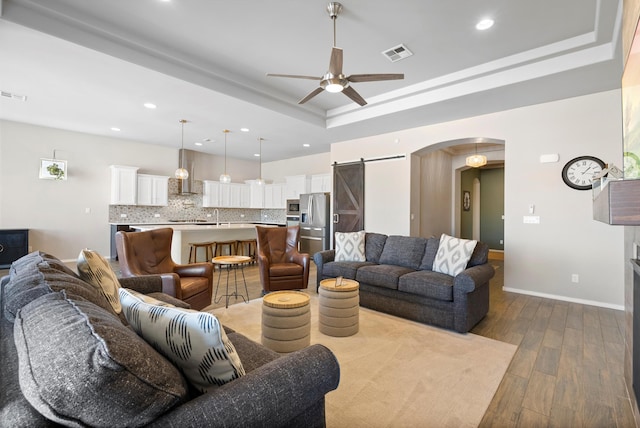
(397, 53)
(16, 97)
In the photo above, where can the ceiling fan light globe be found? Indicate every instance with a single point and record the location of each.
(334, 88)
(182, 174)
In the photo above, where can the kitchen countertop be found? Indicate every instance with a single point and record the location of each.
(189, 227)
(199, 224)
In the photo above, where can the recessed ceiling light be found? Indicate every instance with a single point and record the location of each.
(484, 24)
(150, 105)
(306, 145)
(198, 143)
(244, 129)
(115, 129)
(257, 155)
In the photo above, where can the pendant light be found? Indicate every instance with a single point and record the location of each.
(182, 173)
(225, 178)
(260, 181)
(476, 160)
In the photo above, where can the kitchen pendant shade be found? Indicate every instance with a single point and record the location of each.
(260, 181)
(225, 178)
(181, 173)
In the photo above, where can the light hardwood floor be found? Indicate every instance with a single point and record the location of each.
(567, 371)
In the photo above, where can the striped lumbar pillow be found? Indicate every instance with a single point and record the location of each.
(194, 341)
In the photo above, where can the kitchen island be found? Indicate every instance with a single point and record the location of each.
(183, 234)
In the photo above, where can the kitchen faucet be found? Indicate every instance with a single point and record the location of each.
(217, 217)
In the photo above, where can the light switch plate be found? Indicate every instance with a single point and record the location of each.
(531, 219)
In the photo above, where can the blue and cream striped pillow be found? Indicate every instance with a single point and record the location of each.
(194, 341)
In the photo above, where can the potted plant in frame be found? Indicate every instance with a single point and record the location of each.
(55, 170)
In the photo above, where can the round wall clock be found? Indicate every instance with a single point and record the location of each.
(578, 172)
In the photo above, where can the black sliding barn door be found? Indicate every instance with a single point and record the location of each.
(348, 197)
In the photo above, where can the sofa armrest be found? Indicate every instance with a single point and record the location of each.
(322, 257)
(145, 284)
(470, 278)
(194, 269)
(268, 396)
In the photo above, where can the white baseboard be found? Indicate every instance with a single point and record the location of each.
(565, 298)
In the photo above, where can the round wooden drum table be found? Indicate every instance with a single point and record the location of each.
(339, 307)
(286, 321)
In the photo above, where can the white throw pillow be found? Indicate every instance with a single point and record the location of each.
(350, 246)
(96, 270)
(194, 341)
(453, 255)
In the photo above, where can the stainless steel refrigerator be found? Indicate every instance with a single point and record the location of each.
(314, 222)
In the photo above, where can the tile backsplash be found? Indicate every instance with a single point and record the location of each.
(189, 207)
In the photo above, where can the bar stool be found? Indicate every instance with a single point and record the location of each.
(250, 246)
(209, 249)
(222, 245)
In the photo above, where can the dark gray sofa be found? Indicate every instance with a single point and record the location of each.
(397, 278)
(277, 390)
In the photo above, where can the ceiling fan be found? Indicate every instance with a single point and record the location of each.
(334, 80)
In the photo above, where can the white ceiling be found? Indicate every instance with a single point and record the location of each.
(89, 65)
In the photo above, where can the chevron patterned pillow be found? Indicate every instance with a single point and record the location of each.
(350, 246)
(453, 255)
(96, 270)
(194, 341)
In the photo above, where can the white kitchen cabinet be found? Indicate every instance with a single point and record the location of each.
(153, 190)
(274, 195)
(231, 195)
(124, 185)
(256, 194)
(211, 193)
(296, 185)
(321, 183)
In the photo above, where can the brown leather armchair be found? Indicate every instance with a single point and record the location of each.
(281, 266)
(149, 253)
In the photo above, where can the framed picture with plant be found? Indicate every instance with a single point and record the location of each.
(53, 169)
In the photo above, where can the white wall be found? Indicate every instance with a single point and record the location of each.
(539, 259)
(309, 165)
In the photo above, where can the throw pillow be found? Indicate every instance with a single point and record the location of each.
(80, 366)
(350, 246)
(94, 269)
(194, 341)
(453, 255)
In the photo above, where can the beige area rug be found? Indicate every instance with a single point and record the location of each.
(399, 373)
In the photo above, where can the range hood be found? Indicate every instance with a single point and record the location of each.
(187, 160)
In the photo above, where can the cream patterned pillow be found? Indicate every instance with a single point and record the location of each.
(194, 341)
(96, 270)
(453, 255)
(350, 246)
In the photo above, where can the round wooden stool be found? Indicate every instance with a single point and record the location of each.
(229, 245)
(250, 246)
(286, 321)
(209, 250)
(339, 307)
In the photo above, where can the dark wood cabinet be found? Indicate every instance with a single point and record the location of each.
(14, 243)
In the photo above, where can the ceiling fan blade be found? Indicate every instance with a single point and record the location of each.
(294, 76)
(351, 93)
(374, 77)
(335, 64)
(311, 95)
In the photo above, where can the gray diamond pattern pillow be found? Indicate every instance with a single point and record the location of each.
(96, 270)
(350, 246)
(453, 255)
(194, 341)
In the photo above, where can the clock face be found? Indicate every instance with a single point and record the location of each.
(578, 173)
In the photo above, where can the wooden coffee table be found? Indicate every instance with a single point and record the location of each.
(231, 263)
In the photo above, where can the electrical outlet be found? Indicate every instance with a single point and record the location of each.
(241, 215)
(123, 216)
(87, 210)
(156, 215)
(501, 241)
(575, 278)
(208, 215)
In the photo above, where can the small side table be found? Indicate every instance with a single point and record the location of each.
(286, 321)
(234, 263)
(339, 307)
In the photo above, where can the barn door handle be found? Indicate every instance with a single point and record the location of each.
(336, 218)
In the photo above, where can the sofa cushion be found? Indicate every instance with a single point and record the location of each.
(36, 257)
(373, 246)
(381, 275)
(79, 365)
(350, 246)
(96, 270)
(404, 251)
(453, 254)
(40, 277)
(344, 269)
(430, 252)
(194, 341)
(429, 284)
(480, 255)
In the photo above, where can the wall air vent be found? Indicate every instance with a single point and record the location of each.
(397, 53)
(5, 94)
